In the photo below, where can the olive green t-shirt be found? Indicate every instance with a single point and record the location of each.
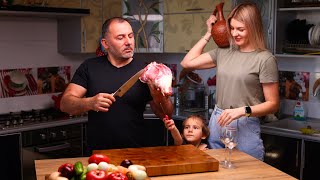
(240, 74)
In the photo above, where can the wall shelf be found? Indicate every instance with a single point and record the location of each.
(40, 11)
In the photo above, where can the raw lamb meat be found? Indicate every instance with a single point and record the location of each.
(160, 75)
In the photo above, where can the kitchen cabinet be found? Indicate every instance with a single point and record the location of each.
(292, 23)
(311, 160)
(185, 23)
(83, 36)
(10, 154)
(146, 19)
(156, 132)
(283, 153)
(64, 3)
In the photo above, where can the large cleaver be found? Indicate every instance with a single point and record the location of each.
(127, 85)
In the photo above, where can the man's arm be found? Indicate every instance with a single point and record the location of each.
(73, 101)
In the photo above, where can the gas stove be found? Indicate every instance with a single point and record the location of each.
(26, 118)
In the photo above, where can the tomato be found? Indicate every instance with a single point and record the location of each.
(97, 158)
(96, 175)
(117, 176)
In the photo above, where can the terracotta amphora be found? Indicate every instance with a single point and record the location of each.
(219, 30)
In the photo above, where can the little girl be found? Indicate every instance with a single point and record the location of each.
(194, 131)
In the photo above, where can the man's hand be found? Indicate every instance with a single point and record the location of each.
(102, 102)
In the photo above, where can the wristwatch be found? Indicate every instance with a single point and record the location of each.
(248, 111)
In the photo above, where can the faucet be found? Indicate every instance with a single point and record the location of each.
(316, 87)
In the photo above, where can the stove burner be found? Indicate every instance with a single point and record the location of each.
(14, 119)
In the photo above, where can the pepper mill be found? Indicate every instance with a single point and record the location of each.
(219, 31)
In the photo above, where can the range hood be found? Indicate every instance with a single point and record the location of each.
(41, 11)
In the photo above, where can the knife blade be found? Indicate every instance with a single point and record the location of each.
(127, 85)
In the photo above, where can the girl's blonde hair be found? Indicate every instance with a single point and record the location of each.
(204, 126)
(249, 15)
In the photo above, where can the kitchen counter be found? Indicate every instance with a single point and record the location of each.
(247, 167)
(289, 127)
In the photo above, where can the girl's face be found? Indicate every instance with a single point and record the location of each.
(192, 131)
(240, 35)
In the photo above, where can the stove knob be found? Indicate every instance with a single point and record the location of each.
(53, 135)
(14, 122)
(7, 123)
(64, 133)
(21, 121)
(43, 136)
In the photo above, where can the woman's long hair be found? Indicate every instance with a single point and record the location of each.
(250, 16)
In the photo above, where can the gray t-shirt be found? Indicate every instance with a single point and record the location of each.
(240, 74)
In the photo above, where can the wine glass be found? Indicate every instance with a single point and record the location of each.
(223, 139)
(231, 142)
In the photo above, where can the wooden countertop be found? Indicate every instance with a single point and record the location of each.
(247, 167)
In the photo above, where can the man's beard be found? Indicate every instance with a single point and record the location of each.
(121, 56)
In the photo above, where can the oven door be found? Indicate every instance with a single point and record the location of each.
(10, 155)
(64, 149)
(50, 143)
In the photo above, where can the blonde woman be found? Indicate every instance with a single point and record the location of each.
(247, 78)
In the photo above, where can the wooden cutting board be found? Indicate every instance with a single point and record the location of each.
(165, 160)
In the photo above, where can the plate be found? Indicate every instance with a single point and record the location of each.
(315, 35)
(11, 91)
(310, 33)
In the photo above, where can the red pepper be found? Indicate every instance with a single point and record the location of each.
(66, 170)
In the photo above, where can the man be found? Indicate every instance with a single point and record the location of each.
(113, 122)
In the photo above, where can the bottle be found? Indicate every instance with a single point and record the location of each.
(299, 112)
(177, 96)
(206, 97)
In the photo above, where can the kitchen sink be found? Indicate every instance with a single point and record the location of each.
(294, 125)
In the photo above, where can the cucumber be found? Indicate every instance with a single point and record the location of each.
(78, 168)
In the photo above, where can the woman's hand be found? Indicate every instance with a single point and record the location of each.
(102, 102)
(229, 115)
(210, 21)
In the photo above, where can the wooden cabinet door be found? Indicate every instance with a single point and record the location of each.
(147, 23)
(183, 31)
(111, 8)
(183, 27)
(91, 26)
(50, 3)
(178, 6)
(64, 3)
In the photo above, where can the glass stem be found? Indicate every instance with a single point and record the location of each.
(225, 154)
(229, 158)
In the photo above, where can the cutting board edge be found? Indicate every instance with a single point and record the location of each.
(183, 169)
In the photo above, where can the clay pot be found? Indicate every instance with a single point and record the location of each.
(219, 31)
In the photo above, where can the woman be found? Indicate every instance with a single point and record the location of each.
(247, 78)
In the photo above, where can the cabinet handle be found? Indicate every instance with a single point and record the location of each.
(194, 9)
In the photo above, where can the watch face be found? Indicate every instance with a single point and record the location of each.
(248, 111)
